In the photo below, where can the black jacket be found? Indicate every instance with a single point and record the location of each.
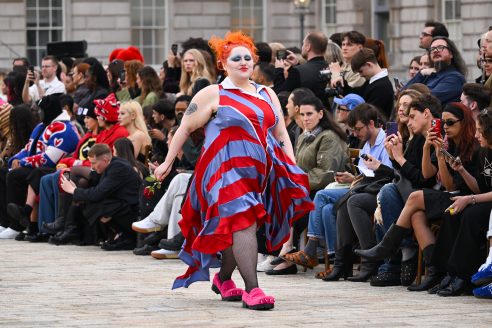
(305, 76)
(118, 189)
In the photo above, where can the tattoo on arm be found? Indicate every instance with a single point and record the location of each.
(191, 109)
(282, 144)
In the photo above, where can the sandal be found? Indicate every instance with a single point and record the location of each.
(257, 300)
(227, 289)
(301, 258)
(322, 274)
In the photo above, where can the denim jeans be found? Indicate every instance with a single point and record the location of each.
(48, 199)
(322, 220)
(391, 205)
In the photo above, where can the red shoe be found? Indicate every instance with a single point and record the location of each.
(227, 289)
(257, 300)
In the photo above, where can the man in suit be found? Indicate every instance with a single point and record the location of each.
(115, 198)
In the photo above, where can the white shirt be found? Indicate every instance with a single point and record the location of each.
(380, 75)
(55, 86)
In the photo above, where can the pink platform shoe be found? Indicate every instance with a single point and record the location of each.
(227, 289)
(257, 300)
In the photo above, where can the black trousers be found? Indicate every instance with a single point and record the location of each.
(4, 220)
(354, 221)
(470, 247)
(17, 184)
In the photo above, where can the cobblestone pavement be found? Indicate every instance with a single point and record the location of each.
(71, 286)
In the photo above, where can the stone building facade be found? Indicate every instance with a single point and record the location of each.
(153, 25)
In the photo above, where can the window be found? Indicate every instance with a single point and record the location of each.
(44, 24)
(247, 16)
(451, 17)
(148, 21)
(329, 16)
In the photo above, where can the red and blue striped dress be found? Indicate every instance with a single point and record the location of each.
(242, 177)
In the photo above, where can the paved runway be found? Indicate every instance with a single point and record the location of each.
(71, 286)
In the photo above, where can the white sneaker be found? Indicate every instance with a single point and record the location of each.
(2, 228)
(261, 257)
(265, 265)
(146, 225)
(162, 254)
(8, 234)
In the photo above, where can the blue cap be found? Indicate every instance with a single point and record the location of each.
(350, 101)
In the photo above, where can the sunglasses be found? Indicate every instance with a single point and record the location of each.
(450, 122)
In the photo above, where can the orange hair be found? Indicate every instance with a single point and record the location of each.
(223, 47)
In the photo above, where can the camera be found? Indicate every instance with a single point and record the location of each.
(325, 75)
(122, 76)
(281, 54)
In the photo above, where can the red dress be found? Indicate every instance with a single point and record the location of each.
(242, 177)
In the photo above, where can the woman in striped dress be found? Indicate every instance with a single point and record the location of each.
(245, 177)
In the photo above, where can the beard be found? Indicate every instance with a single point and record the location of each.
(441, 65)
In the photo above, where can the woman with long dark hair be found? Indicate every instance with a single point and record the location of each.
(150, 86)
(429, 205)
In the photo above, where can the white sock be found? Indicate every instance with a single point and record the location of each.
(488, 261)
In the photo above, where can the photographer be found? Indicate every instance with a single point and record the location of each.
(378, 90)
(351, 81)
(43, 85)
(305, 75)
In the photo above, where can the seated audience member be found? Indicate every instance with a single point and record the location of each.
(114, 200)
(21, 124)
(263, 73)
(459, 246)
(345, 105)
(67, 103)
(80, 89)
(428, 205)
(180, 105)
(164, 117)
(150, 85)
(130, 89)
(130, 116)
(107, 117)
(406, 154)
(50, 141)
(51, 215)
(194, 72)
(364, 121)
(476, 97)
(378, 90)
(414, 67)
(264, 52)
(294, 128)
(97, 82)
(343, 75)
(447, 76)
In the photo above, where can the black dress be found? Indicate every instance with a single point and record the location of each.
(437, 201)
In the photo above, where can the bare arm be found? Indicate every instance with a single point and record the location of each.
(428, 170)
(197, 115)
(280, 131)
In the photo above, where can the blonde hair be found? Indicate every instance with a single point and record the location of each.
(276, 46)
(134, 107)
(199, 71)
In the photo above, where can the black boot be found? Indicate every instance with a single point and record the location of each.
(68, 235)
(173, 244)
(343, 265)
(434, 274)
(388, 246)
(367, 270)
(21, 214)
(64, 201)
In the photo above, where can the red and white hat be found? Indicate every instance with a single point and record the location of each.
(108, 108)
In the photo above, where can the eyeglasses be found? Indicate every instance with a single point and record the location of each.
(438, 48)
(358, 128)
(424, 34)
(450, 122)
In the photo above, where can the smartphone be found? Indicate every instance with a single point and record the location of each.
(391, 128)
(31, 71)
(448, 155)
(122, 76)
(66, 175)
(436, 126)
(174, 49)
(281, 54)
(397, 82)
(364, 157)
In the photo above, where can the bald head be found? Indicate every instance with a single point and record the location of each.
(318, 42)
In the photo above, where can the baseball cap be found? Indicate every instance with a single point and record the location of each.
(350, 101)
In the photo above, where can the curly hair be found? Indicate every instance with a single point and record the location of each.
(223, 47)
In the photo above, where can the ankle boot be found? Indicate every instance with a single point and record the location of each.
(367, 270)
(53, 227)
(388, 246)
(342, 267)
(434, 274)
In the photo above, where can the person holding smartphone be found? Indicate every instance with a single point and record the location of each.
(428, 205)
